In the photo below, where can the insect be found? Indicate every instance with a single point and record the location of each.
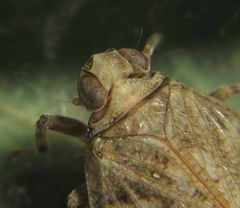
(151, 141)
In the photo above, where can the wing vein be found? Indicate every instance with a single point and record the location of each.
(218, 151)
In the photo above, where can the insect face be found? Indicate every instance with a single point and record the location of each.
(104, 70)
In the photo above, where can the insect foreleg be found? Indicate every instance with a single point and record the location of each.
(57, 123)
(151, 44)
(224, 92)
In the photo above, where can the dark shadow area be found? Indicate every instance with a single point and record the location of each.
(70, 31)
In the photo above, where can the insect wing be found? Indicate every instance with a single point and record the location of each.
(194, 163)
(204, 135)
(139, 172)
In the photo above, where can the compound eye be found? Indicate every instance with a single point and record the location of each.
(91, 92)
(135, 57)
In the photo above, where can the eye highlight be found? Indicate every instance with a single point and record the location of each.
(88, 65)
(91, 92)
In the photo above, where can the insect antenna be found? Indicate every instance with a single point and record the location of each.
(76, 101)
(139, 38)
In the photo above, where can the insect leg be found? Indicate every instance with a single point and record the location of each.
(151, 44)
(224, 92)
(78, 197)
(57, 123)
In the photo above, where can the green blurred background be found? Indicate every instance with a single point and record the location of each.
(43, 45)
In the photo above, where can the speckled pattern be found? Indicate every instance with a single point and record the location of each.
(157, 143)
(175, 148)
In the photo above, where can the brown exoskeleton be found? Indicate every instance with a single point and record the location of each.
(151, 141)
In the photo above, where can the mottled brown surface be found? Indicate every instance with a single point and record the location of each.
(161, 144)
(151, 142)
